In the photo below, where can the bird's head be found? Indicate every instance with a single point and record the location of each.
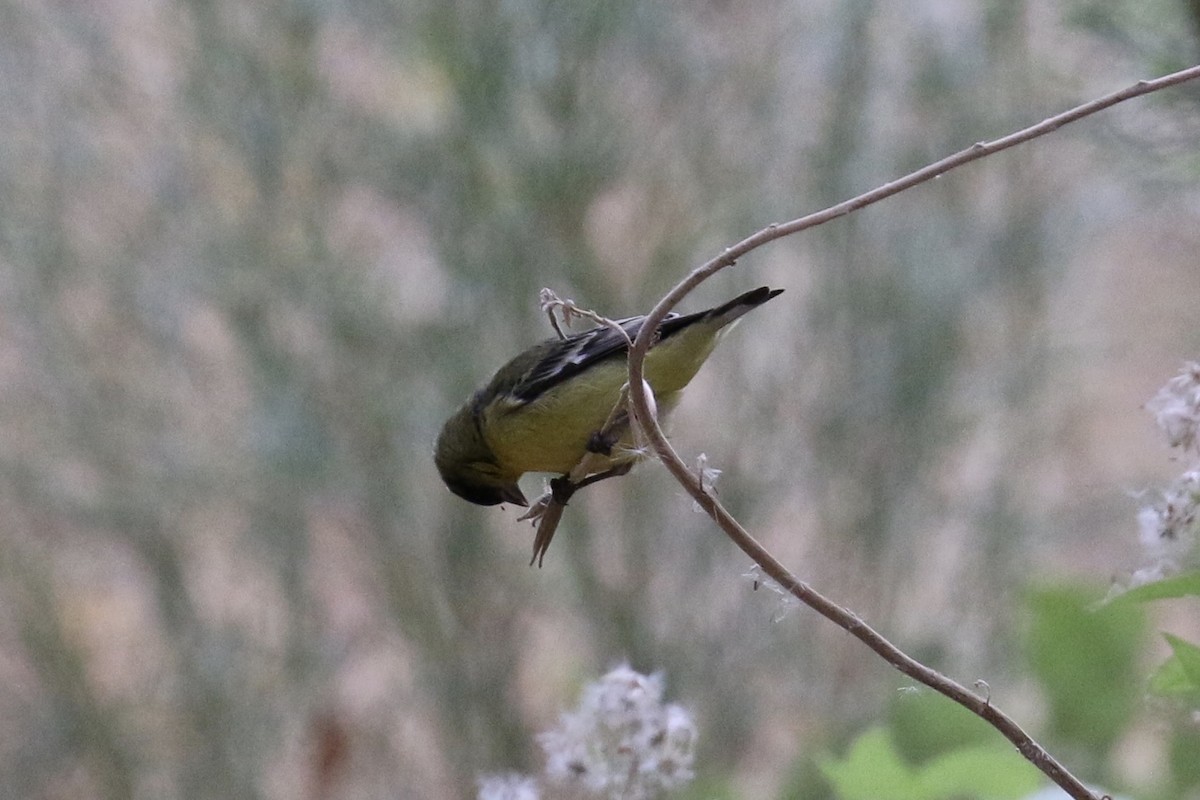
(481, 492)
(468, 466)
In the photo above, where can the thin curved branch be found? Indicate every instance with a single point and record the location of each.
(641, 405)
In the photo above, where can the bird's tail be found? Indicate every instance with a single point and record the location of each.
(728, 312)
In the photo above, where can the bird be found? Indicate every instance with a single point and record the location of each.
(547, 408)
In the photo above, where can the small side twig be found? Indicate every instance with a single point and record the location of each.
(641, 412)
(570, 312)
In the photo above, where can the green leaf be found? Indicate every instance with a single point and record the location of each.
(872, 769)
(1178, 677)
(926, 724)
(1087, 662)
(986, 772)
(1184, 585)
(1185, 767)
(1170, 680)
(1188, 656)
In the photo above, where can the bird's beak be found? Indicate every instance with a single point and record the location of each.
(512, 494)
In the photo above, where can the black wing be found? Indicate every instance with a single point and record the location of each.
(568, 357)
(558, 360)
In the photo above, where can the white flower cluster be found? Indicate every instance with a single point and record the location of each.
(1176, 408)
(1168, 526)
(508, 787)
(621, 743)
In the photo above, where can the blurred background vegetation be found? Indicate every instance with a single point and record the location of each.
(252, 254)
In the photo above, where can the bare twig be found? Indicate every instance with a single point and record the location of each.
(641, 409)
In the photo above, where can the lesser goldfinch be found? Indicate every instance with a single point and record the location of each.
(542, 410)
